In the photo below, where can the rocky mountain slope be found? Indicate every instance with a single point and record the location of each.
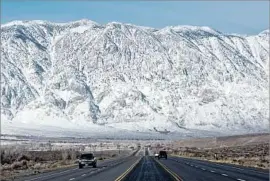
(175, 79)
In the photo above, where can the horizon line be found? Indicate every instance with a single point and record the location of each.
(86, 19)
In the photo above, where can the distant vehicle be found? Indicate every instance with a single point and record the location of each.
(87, 159)
(162, 154)
(156, 155)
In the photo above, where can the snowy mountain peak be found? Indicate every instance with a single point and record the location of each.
(265, 32)
(186, 28)
(83, 22)
(176, 79)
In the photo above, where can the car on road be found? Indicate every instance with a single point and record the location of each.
(162, 154)
(156, 155)
(87, 159)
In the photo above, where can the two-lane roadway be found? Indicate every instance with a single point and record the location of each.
(200, 170)
(106, 170)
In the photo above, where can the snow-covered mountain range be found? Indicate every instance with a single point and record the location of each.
(177, 79)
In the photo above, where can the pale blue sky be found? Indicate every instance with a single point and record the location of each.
(243, 17)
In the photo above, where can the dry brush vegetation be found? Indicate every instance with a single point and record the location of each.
(15, 162)
(245, 150)
(251, 155)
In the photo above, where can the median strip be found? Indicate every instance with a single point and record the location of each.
(123, 175)
(174, 175)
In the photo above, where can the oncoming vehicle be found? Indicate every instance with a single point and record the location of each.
(162, 154)
(87, 159)
(156, 155)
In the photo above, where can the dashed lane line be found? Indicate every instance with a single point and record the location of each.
(228, 166)
(223, 174)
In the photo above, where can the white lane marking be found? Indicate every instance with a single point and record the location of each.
(203, 168)
(83, 175)
(250, 170)
(240, 179)
(72, 179)
(48, 175)
(224, 174)
(212, 171)
(191, 165)
(230, 166)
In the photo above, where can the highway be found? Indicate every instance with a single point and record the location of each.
(106, 170)
(198, 170)
(143, 167)
(111, 167)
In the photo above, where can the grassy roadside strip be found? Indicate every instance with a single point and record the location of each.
(123, 175)
(7, 175)
(174, 175)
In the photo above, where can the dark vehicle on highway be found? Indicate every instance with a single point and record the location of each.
(87, 159)
(162, 154)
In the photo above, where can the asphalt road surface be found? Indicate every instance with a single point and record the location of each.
(106, 171)
(148, 170)
(198, 170)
